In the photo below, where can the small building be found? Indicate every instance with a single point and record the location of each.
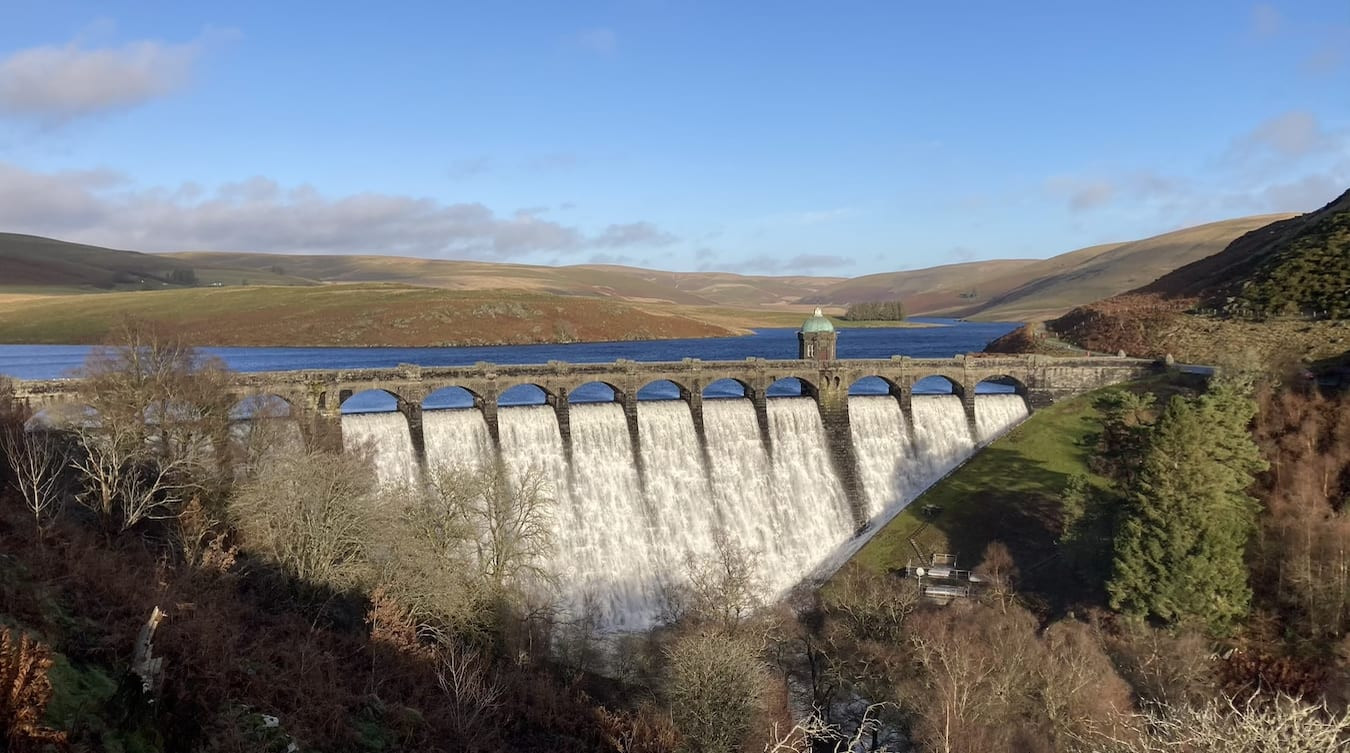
(816, 340)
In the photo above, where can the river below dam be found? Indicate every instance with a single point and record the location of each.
(630, 513)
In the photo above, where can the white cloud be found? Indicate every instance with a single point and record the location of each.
(258, 214)
(55, 84)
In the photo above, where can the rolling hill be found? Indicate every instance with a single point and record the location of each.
(1277, 295)
(628, 283)
(349, 315)
(1023, 289)
(1007, 289)
(30, 261)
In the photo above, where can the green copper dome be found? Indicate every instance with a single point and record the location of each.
(817, 323)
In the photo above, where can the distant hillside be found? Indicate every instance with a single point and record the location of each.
(1098, 272)
(629, 283)
(935, 290)
(32, 261)
(1294, 267)
(350, 315)
(1297, 267)
(1000, 289)
(1029, 289)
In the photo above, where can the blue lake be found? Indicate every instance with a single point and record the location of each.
(952, 338)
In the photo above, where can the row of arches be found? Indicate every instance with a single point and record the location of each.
(455, 397)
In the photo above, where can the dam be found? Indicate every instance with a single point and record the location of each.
(785, 459)
(628, 517)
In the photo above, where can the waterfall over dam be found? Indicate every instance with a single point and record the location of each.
(626, 520)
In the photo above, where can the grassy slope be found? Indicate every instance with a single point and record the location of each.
(929, 291)
(1008, 491)
(352, 315)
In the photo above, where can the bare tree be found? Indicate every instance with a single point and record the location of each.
(466, 544)
(313, 513)
(723, 589)
(156, 427)
(1225, 726)
(125, 481)
(716, 685)
(999, 572)
(874, 606)
(505, 522)
(811, 734)
(475, 697)
(152, 386)
(37, 463)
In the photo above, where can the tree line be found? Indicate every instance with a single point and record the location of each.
(875, 311)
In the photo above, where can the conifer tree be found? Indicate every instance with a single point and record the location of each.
(1179, 552)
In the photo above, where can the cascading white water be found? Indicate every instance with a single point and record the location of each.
(456, 438)
(385, 435)
(619, 539)
(609, 546)
(678, 492)
(882, 446)
(941, 439)
(995, 414)
(789, 512)
(812, 515)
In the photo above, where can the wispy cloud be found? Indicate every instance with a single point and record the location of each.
(468, 168)
(819, 216)
(1293, 135)
(1266, 21)
(633, 234)
(599, 40)
(1081, 193)
(55, 84)
(551, 162)
(259, 214)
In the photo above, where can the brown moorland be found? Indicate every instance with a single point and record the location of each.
(350, 315)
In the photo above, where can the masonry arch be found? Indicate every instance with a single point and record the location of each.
(662, 389)
(451, 397)
(726, 388)
(793, 386)
(1001, 384)
(597, 391)
(938, 384)
(61, 416)
(261, 405)
(874, 384)
(373, 400)
(526, 393)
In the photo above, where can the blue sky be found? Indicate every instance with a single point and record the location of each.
(776, 138)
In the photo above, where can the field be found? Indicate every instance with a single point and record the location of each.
(348, 315)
